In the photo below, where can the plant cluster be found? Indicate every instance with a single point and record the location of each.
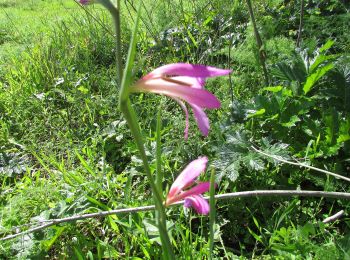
(67, 149)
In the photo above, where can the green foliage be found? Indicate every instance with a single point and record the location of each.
(65, 149)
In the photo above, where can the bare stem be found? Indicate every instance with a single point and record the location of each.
(242, 194)
(301, 22)
(262, 53)
(277, 158)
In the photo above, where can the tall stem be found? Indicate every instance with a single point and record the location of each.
(131, 119)
(301, 22)
(159, 178)
(262, 54)
(115, 12)
(118, 44)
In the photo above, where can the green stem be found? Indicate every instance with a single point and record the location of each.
(301, 22)
(212, 213)
(115, 12)
(131, 119)
(262, 53)
(159, 178)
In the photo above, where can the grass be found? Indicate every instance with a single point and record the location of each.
(65, 148)
(23, 23)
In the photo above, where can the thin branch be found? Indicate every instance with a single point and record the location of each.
(243, 194)
(262, 53)
(301, 22)
(334, 217)
(277, 158)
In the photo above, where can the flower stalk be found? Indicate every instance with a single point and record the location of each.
(132, 121)
(115, 13)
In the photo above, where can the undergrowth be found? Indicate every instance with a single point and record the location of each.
(65, 148)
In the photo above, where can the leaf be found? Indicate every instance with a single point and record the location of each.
(257, 113)
(192, 38)
(326, 46)
(292, 120)
(78, 253)
(319, 60)
(127, 75)
(257, 165)
(13, 164)
(343, 138)
(314, 77)
(152, 229)
(290, 72)
(257, 237)
(273, 89)
(98, 203)
(331, 119)
(307, 229)
(47, 244)
(232, 171)
(344, 131)
(85, 164)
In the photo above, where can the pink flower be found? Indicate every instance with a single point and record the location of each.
(193, 196)
(184, 82)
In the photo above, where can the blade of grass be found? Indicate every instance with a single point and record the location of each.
(127, 75)
(85, 164)
(212, 213)
(159, 178)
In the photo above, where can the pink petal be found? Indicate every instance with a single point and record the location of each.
(199, 97)
(184, 108)
(196, 190)
(201, 118)
(198, 203)
(185, 69)
(188, 176)
(194, 82)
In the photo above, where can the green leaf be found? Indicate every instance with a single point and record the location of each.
(47, 244)
(127, 75)
(192, 39)
(85, 164)
(273, 89)
(307, 229)
(292, 120)
(257, 113)
(78, 253)
(319, 60)
(257, 237)
(343, 138)
(331, 119)
(326, 46)
(98, 203)
(256, 164)
(314, 77)
(153, 231)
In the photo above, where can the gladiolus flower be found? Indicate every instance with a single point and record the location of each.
(193, 196)
(184, 82)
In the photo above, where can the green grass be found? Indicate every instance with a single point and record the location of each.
(23, 23)
(65, 148)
